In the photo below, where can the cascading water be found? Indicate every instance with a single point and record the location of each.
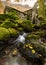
(21, 38)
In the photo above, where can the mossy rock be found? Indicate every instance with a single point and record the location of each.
(39, 48)
(27, 25)
(7, 24)
(19, 21)
(36, 27)
(43, 22)
(43, 25)
(4, 34)
(13, 32)
(41, 33)
(8, 16)
(32, 36)
(20, 29)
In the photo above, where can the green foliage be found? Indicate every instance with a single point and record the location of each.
(12, 12)
(7, 24)
(13, 32)
(4, 34)
(7, 16)
(26, 24)
(19, 21)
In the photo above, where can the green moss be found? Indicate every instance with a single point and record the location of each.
(7, 24)
(19, 21)
(4, 34)
(43, 22)
(26, 24)
(13, 32)
(41, 33)
(20, 29)
(33, 36)
(8, 16)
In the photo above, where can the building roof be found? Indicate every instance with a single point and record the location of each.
(29, 3)
(19, 7)
(22, 5)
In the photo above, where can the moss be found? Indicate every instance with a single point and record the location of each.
(20, 29)
(25, 24)
(19, 21)
(43, 22)
(4, 34)
(7, 24)
(41, 33)
(8, 16)
(33, 36)
(36, 27)
(13, 32)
